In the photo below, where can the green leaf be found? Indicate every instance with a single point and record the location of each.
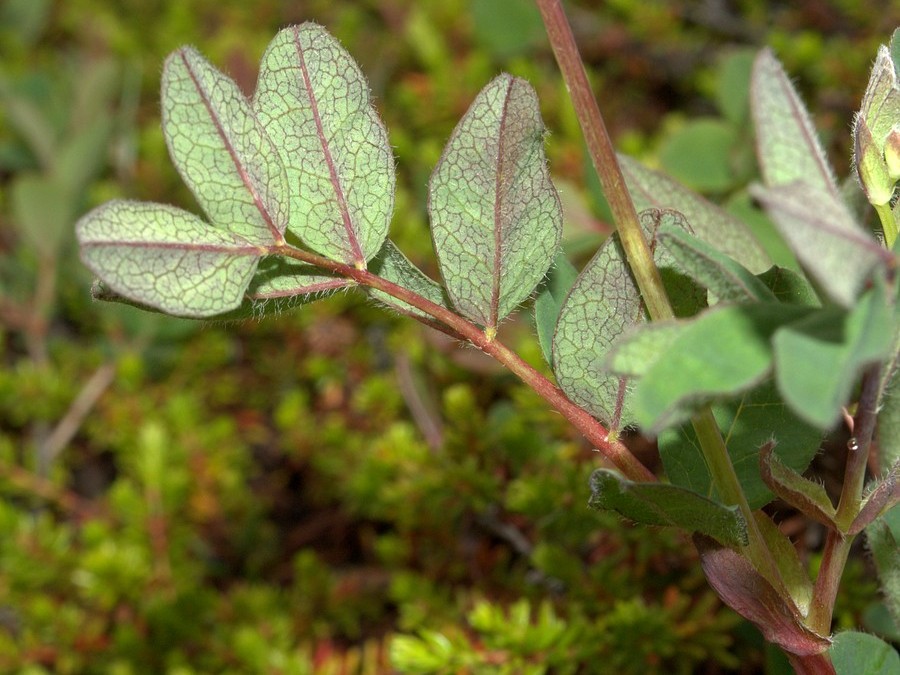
(883, 539)
(819, 356)
(722, 352)
(748, 211)
(793, 572)
(391, 264)
(650, 189)
(733, 85)
(854, 653)
(827, 241)
(166, 258)
(747, 424)
(660, 504)
(495, 216)
(789, 287)
(728, 280)
(42, 211)
(805, 495)
(787, 146)
(699, 154)
(314, 102)
(221, 150)
(889, 423)
(506, 27)
(549, 302)
(603, 303)
(881, 496)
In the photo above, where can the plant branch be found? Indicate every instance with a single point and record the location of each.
(596, 433)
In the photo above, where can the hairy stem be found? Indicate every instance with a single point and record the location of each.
(459, 327)
(888, 226)
(837, 546)
(640, 260)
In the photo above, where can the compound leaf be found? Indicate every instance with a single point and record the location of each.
(661, 504)
(496, 218)
(314, 102)
(221, 150)
(167, 258)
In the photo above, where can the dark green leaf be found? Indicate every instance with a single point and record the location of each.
(747, 424)
(699, 154)
(660, 504)
(790, 287)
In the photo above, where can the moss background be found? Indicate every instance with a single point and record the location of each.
(337, 490)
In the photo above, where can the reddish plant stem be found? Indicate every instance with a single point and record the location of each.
(462, 329)
(837, 546)
(812, 664)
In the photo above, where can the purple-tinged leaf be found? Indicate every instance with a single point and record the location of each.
(827, 241)
(167, 258)
(496, 218)
(805, 495)
(880, 107)
(787, 146)
(881, 498)
(650, 189)
(744, 590)
(221, 150)
(314, 102)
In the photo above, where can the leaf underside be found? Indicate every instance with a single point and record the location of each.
(496, 218)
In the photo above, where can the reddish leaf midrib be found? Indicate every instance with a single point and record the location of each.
(277, 237)
(359, 258)
(493, 318)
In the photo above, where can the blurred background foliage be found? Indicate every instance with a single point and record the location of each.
(337, 490)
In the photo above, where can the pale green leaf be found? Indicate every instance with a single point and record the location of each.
(166, 258)
(549, 302)
(748, 424)
(496, 219)
(722, 352)
(854, 653)
(314, 102)
(221, 150)
(727, 279)
(833, 249)
(661, 504)
(819, 357)
(787, 146)
(603, 304)
(392, 265)
(650, 189)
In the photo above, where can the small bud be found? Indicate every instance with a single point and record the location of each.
(892, 153)
(871, 166)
